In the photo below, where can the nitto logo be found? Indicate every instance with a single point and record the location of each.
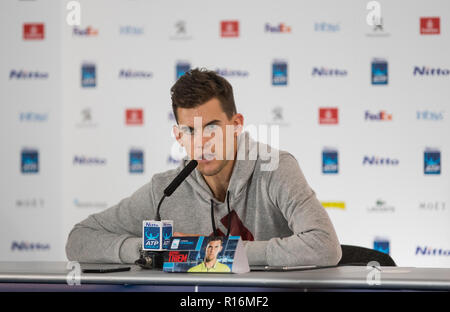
(89, 204)
(280, 28)
(328, 72)
(428, 251)
(381, 116)
(26, 246)
(135, 74)
(380, 161)
(27, 75)
(94, 161)
(231, 73)
(428, 71)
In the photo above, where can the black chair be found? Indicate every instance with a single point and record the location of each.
(360, 256)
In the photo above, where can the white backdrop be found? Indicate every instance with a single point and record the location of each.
(380, 197)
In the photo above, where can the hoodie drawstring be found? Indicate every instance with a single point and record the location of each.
(229, 216)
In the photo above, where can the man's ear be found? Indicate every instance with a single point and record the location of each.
(238, 123)
(177, 133)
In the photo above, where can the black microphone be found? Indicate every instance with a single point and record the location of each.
(180, 177)
(175, 183)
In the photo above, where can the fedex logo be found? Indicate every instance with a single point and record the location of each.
(381, 116)
(280, 28)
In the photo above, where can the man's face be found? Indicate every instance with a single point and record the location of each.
(212, 250)
(202, 131)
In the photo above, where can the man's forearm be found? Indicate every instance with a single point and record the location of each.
(88, 245)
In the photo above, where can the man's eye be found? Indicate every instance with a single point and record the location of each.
(210, 128)
(187, 130)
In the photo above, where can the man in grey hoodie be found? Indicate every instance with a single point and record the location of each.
(270, 205)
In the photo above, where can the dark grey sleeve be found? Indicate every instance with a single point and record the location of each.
(113, 235)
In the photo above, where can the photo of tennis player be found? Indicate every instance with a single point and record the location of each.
(210, 263)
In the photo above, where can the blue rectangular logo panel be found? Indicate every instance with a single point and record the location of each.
(432, 162)
(279, 74)
(88, 76)
(136, 164)
(151, 235)
(167, 230)
(330, 163)
(181, 69)
(29, 161)
(381, 245)
(379, 72)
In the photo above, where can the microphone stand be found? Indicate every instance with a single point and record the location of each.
(155, 259)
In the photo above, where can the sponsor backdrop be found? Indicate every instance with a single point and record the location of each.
(364, 107)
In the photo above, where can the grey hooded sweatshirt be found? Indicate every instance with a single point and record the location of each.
(272, 208)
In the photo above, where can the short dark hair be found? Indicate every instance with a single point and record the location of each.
(198, 86)
(215, 238)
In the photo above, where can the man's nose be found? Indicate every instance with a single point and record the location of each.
(201, 142)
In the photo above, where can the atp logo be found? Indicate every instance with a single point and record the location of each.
(150, 236)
